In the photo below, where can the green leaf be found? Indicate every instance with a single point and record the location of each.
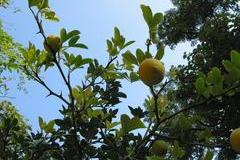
(86, 61)
(41, 122)
(80, 45)
(112, 50)
(78, 61)
(134, 77)
(75, 93)
(130, 124)
(67, 56)
(184, 122)
(130, 57)
(128, 44)
(157, 18)
(140, 55)
(49, 127)
(73, 40)
(32, 3)
(214, 76)
(95, 113)
(177, 151)
(148, 55)
(216, 81)
(120, 94)
(230, 78)
(112, 125)
(50, 15)
(109, 45)
(72, 34)
(160, 53)
(63, 35)
(44, 4)
(216, 89)
(117, 34)
(232, 69)
(118, 39)
(201, 87)
(204, 135)
(235, 58)
(71, 59)
(209, 155)
(147, 14)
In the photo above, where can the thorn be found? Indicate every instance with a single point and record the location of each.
(83, 84)
(49, 94)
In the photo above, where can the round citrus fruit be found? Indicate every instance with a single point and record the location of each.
(199, 59)
(235, 140)
(151, 71)
(159, 147)
(52, 44)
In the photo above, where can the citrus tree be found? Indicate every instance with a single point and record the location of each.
(162, 128)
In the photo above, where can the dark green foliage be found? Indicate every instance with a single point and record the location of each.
(13, 132)
(192, 111)
(214, 27)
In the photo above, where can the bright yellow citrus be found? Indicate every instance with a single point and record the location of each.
(151, 71)
(159, 147)
(235, 140)
(52, 44)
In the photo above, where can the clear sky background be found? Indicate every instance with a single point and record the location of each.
(96, 20)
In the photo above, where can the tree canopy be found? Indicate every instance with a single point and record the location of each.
(190, 111)
(213, 29)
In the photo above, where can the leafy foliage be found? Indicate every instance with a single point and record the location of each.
(4, 3)
(90, 126)
(10, 57)
(13, 131)
(212, 28)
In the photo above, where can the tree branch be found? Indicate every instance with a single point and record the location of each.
(152, 132)
(192, 143)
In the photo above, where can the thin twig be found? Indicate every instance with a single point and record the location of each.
(152, 132)
(155, 96)
(163, 87)
(71, 104)
(192, 143)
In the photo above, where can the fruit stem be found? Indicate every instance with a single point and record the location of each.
(148, 44)
(72, 99)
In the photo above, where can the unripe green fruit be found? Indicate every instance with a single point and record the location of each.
(151, 71)
(159, 147)
(235, 140)
(199, 59)
(52, 44)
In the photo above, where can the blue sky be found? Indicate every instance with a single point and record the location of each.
(96, 20)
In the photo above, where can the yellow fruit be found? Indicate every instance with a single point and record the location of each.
(151, 71)
(159, 147)
(235, 140)
(52, 44)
